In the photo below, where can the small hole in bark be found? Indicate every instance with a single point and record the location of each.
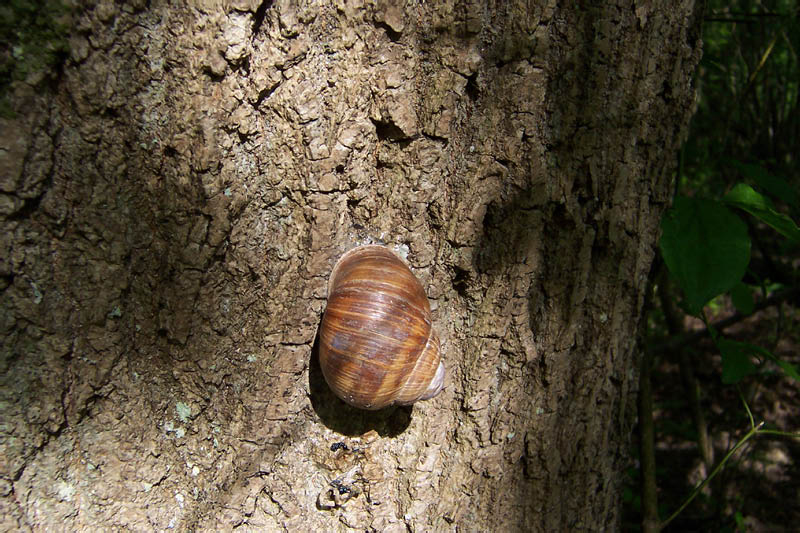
(460, 280)
(387, 131)
(260, 14)
(472, 89)
(394, 36)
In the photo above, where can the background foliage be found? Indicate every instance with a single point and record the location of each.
(723, 333)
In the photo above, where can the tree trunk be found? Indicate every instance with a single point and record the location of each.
(173, 207)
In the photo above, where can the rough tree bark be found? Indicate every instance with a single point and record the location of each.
(172, 208)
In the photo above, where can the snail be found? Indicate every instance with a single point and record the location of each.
(377, 345)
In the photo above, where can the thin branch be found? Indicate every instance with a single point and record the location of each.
(735, 16)
(762, 62)
(779, 433)
(650, 520)
(736, 19)
(673, 343)
(746, 407)
(753, 431)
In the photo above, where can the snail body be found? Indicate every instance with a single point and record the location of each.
(377, 344)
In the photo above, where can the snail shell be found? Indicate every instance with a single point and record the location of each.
(377, 345)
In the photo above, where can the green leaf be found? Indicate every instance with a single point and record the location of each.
(736, 362)
(742, 298)
(788, 368)
(741, 525)
(706, 248)
(777, 187)
(744, 197)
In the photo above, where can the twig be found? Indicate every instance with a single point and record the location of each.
(650, 520)
(753, 431)
(679, 341)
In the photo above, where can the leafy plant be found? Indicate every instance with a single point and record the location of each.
(730, 241)
(707, 249)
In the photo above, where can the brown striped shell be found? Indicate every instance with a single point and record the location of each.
(377, 345)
